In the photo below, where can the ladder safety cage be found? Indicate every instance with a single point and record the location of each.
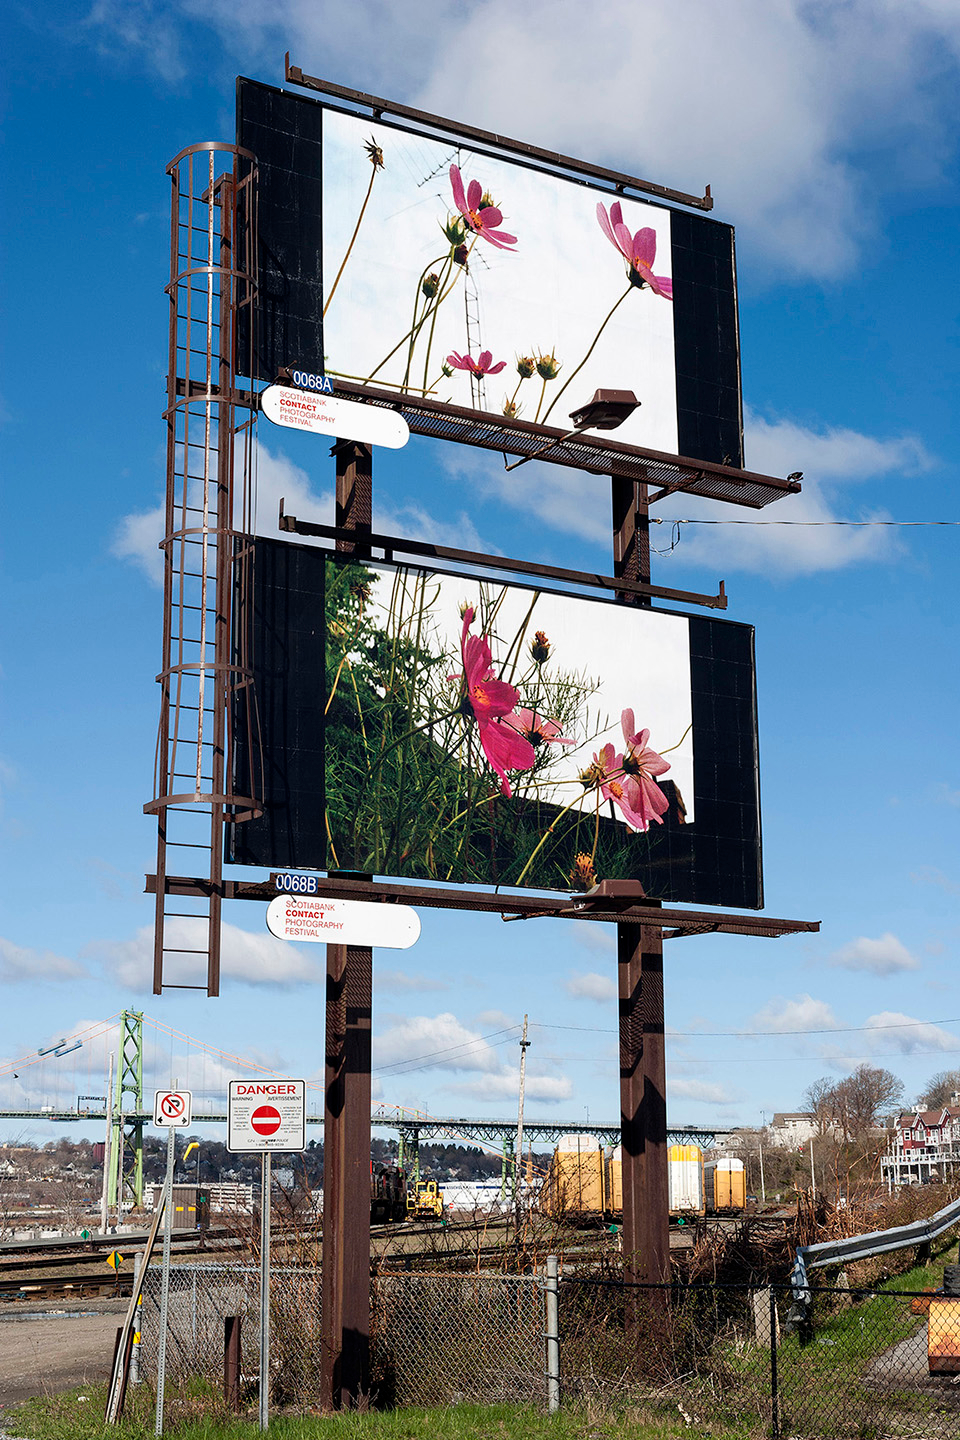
(205, 680)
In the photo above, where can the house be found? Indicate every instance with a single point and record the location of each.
(790, 1130)
(925, 1146)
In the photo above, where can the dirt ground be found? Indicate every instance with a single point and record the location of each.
(43, 1351)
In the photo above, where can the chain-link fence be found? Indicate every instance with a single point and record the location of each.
(435, 1339)
(878, 1364)
(849, 1364)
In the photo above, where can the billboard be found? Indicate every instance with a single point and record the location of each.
(421, 266)
(438, 727)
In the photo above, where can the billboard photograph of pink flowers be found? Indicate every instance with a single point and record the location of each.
(456, 729)
(472, 280)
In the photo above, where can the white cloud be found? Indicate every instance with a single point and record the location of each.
(830, 458)
(917, 1035)
(782, 1016)
(433, 1042)
(931, 875)
(397, 982)
(591, 986)
(884, 956)
(20, 962)
(709, 1094)
(550, 1089)
(137, 539)
(138, 535)
(597, 937)
(805, 118)
(258, 959)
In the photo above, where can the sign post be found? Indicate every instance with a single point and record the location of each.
(171, 1108)
(264, 1116)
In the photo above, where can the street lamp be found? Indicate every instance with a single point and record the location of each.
(607, 410)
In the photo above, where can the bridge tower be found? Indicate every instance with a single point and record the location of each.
(126, 1177)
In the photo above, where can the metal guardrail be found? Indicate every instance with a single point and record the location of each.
(875, 1242)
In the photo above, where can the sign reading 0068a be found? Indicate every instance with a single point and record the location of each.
(287, 880)
(306, 381)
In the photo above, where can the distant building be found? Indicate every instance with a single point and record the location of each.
(925, 1146)
(791, 1129)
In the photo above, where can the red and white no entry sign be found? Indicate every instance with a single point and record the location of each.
(172, 1108)
(266, 1120)
(265, 1115)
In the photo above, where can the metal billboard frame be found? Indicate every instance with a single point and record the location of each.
(205, 659)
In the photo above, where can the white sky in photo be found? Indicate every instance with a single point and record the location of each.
(642, 659)
(549, 294)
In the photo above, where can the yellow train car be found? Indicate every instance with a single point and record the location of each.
(685, 1180)
(725, 1185)
(586, 1182)
(577, 1182)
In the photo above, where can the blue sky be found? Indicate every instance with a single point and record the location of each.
(828, 132)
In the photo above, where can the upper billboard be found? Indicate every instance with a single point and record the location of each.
(437, 727)
(427, 268)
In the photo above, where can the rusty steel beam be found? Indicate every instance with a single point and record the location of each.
(520, 907)
(379, 106)
(391, 543)
(345, 1299)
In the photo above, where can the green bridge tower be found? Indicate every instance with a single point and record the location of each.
(126, 1160)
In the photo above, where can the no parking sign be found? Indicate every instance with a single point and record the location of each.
(172, 1108)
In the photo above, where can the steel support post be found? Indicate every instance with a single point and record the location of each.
(345, 1318)
(643, 1113)
(629, 946)
(654, 1219)
(355, 1356)
(331, 1295)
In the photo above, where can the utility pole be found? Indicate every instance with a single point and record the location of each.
(107, 1153)
(518, 1159)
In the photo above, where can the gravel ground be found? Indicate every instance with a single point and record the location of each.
(44, 1351)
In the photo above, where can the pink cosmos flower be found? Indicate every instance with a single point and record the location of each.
(484, 219)
(536, 729)
(641, 764)
(626, 791)
(481, 366)
(638, 250)
(490, 702)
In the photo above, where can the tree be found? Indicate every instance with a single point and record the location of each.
(853, 1106)
(863, 1097)
(939, 1089)
(819, 1100)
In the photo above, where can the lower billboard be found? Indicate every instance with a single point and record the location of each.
(437, 727)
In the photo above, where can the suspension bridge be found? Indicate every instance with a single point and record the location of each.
(95, 1075)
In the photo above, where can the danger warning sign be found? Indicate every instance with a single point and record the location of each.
(266, 1115)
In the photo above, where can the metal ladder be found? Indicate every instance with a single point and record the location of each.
(205, 678)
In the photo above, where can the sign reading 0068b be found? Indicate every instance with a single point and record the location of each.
(287, 880)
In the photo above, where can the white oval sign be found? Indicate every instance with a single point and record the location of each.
(343, 922)
(329, 415)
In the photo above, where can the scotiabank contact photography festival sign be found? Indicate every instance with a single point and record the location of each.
(440, 727)
(419, 266)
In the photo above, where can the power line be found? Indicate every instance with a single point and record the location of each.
(907, 524)
(465, 1045)
(752, 1034)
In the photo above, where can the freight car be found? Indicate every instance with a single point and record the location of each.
(585, 1182)
(725, 1186)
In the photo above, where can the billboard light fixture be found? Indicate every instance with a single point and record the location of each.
(606, 411)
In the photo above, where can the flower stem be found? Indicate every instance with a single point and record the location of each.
(426, 271)
(356, 231)
(433, 326)
(586, 357)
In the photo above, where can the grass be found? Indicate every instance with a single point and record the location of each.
(66, 1417)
